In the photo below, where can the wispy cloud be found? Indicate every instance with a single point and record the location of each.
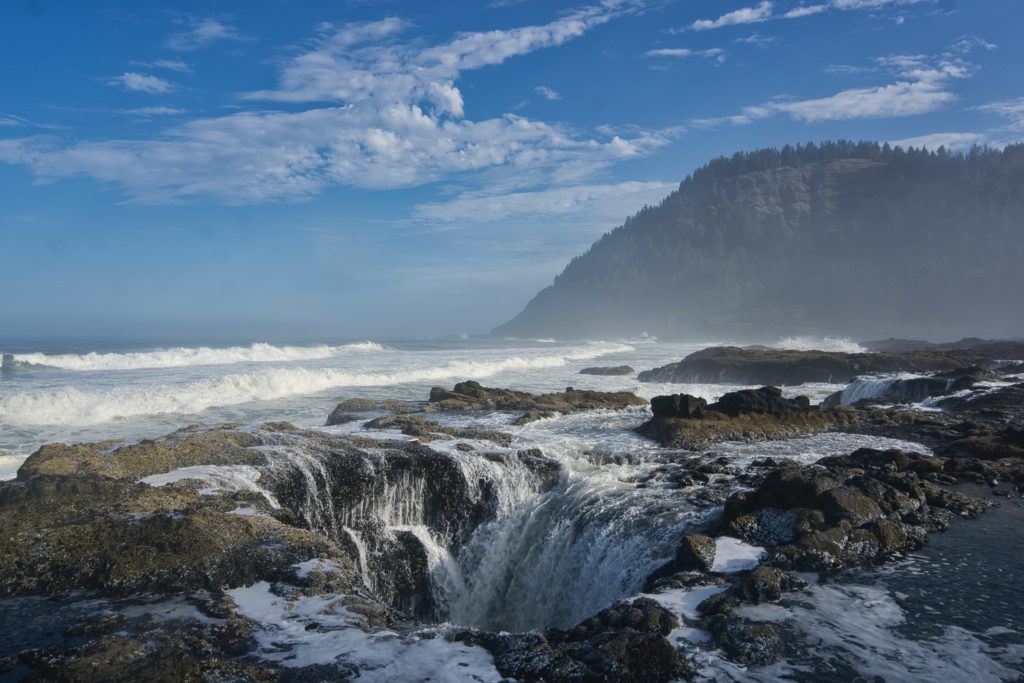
(136, 82)
(757, 40)
(924, 87)
(744, 15)
(156, 111)
(169, 64)
(202, 32)
(547, 93)
(394, 118)
(766, 11)
(715, 54)
(597, 201)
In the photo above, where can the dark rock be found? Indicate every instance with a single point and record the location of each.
(744, 641)
(695, 552)
(623, 643)
(472, 396)
(733, 365)
(427, 430)
(608, 371)
(339, 417)
(849, 504)
(763, 401)
(678, 405)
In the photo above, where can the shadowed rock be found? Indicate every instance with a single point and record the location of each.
(733, 365)
(617, 370)
(683, 421)
(471, 395)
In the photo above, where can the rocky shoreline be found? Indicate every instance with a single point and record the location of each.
(163, 533)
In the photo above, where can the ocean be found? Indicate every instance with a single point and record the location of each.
(548, 558)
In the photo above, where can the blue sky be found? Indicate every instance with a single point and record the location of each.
(278, 168)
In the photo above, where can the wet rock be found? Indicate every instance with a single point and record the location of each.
(695, 552)
(733, 365)
(744, 641)
(678, 405)
(472, 396)
(684, 421)
(397, 407)
(766, 527)
(186, 447)
(623, 643)
(357, 405)
(617, 370)
(763, 401)
(340, 417)
(847, 503)
(427, 430)
(767, 584)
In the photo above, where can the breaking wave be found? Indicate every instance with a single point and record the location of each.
(835, 344)
(71, 406)
(184, 356)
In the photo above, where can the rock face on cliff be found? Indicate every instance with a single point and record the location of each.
(842, 238)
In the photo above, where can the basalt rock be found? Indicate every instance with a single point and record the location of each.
(623, 643)
(472, 396)
(847, 510)
(733, 365)
(683, 421)
(427, 430)
(617, 370)
(678, 405)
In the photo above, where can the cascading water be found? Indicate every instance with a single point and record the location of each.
(565, 555)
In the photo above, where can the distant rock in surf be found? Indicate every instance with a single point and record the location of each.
(683, 421)
(610, 371)
(778, 367)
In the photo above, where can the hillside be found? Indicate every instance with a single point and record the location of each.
(841, 238)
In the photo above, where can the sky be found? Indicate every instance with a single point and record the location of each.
(373, 168)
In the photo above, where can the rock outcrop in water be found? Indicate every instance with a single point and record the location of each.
(848, 239)
(621, 644)
(616, 370)
(734, 365)
(471, 395)
(683, 421)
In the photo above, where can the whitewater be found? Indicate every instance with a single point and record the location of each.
(82, 392)
(547, 558)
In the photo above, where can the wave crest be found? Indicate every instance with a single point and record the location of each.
(70, 406)
(836, 344)
(183, 356)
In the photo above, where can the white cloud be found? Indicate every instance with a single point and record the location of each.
(757, 39)
(394, 119)
(745, 15)
(169, 64)
(924, 87)
(136, 82)
(717, 54)
(953, 141)
(904, 98)
(547, 93)
(155, 111)
(601, 202)
(765, 11)
(805, 11)
(201, 33)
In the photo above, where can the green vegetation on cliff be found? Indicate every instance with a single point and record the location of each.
(839, 238)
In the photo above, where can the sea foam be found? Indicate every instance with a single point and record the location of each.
(72, 406)
(834, 344)
(185, 356)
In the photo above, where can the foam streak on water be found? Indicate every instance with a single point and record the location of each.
(183, 357)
